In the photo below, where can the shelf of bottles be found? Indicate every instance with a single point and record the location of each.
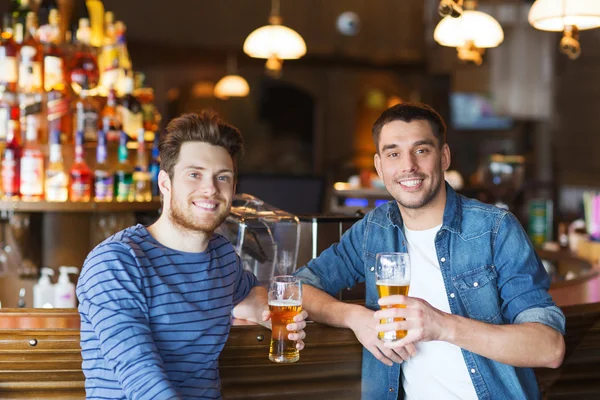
(66, 93)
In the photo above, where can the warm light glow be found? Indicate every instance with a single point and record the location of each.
(275, 40)
(203, 89)
(554, 15)
(231, 86)
(474, 27)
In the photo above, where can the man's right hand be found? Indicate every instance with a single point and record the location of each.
(363, 324)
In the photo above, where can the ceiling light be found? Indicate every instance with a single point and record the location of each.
(450, 8)
(567, 16)
(470, 33)
(275, 42)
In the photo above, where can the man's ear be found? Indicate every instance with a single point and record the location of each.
(446, 157)
(164, 183)
(377, 162)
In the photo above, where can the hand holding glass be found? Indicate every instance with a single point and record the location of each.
(285, 302)
(393, 277)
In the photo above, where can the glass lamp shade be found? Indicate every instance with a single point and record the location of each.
(554, 15)
(231, 86)
(278, 40)
(475, 27)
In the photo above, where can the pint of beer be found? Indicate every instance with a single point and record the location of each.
(393, 277)
(285, 302)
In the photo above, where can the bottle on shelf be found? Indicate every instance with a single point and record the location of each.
(20, 15)
(96, 11)
(9, 54)
(110, 122)
(86, 116)
(155, 165)
(130, 111)
(9, 72)
(125, 67)
(80, 188)
(84, 68)
(11, 163)
(55, 78)
(103, 177)
(108, 61)
(30, 83)
(141, 174)
(124, 174)
(32, 165)
(57, 181)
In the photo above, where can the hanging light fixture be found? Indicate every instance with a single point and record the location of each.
(450, 8)
(231, 85)
(567, 16)
(470, 33)
(275, 42)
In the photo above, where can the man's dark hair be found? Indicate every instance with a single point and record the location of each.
(205, 126)
(408, 112)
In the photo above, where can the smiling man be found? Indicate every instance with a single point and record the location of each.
(156, 302)
(478, 312)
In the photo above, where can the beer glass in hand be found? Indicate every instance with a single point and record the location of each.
(285, 302)
(393, 277)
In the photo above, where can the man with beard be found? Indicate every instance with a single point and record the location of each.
(478, 314)
(156, 302)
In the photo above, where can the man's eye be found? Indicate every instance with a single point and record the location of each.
(422, 151)
(194, 175)
(224, 178)
(392, 155)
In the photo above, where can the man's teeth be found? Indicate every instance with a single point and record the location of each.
(412, 183)
(206, 205)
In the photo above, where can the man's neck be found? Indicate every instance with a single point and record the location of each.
(178, 238)
(426, 217)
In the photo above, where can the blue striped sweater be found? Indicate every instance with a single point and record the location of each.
(154, 320)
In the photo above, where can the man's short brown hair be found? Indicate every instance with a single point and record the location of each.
(408, 112)
(205, 126)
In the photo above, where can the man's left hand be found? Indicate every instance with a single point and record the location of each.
(423, 322)
(296, 328)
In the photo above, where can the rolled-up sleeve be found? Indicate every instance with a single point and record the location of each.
(522, 280)
(339, 266)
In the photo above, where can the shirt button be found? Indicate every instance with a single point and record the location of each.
(476, 284)
(452, 295)
(372, 269)
(472, 370)
(391, 389)
(443, 259)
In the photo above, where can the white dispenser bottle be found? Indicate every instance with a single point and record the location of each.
(43, 291)
(64, 290)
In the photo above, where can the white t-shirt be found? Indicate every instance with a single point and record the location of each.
(438, 370)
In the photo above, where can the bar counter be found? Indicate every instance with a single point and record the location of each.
(40, 358)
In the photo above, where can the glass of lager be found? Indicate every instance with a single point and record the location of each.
(285, 302)
(393, 277)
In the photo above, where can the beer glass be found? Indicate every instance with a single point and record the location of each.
(285, 302)
(392, 277)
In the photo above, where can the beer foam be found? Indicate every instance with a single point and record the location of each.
(392, 282)
(285, 303)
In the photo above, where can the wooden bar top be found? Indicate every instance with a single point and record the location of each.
(40, 358)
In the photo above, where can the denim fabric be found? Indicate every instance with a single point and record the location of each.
(491, 273)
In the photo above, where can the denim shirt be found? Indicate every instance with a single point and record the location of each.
(491, 273)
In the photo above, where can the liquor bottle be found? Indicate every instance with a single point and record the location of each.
(55, 79)
(80, 188)
(57, 181)
(32, 165)
(96, 11)
(86, 116)
(30, 76)
(124, 174)
(141, 174)
(11, 163)
(103, 177)
(9, 53)
(110, 122)
(44, 10)
(125, 68)
(108, 61)
(20, 16)
(145, 95)
(130, 111)
(155, 166)
(84, 68)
